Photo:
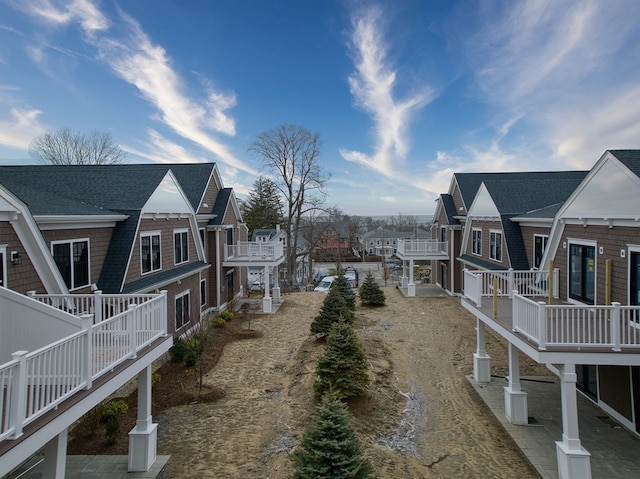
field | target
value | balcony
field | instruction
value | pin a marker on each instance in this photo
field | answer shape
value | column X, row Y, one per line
column 56, row 348
column 254, row 253
column 520, row 306
column 422, row 249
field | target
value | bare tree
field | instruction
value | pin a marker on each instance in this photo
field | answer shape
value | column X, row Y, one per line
column 291, row 154
column 68, row 147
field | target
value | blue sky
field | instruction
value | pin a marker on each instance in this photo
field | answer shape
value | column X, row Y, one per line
column 402, row 93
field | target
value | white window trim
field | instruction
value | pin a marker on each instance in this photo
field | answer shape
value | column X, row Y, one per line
column 581, row 242
column 538, row 235
column 473, row 230
column 180, row 296
column 490, row 252
column 180, row 231
column 73, row 287
column 630, row 248
column 142, row 235
column 3, row 251
column 203, row 301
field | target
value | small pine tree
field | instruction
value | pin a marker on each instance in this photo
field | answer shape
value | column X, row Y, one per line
column 333, row 306
column 329, row 448
column 370, row 292
column 342, row 285
column 342, row 369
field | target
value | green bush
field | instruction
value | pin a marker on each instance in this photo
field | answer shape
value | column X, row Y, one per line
column 156, row 378
column 109, row 416
column 178, row 351
column 218, row 322
column 370, row 292
column 226, row 315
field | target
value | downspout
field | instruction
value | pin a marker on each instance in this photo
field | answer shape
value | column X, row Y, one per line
column 218, row 267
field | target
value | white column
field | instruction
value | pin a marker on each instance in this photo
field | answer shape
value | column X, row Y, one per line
column 403, row 285
column 411, row 287
column 515, row 399
column 276, row 285
column 574, row 462
column 55, row 457
column 143, row 438
column 481, row 361
column 266, row 300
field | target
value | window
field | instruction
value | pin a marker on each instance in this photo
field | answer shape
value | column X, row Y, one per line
column 582, row 272
column 229, row 236
column 539, row 247
column 476, row 241
column 495, row 245
column 150, row 252
column 203, row 292
column 182, row 309
column 443, row 234
column 202, row 236
column 72, row 259
column 180, row 246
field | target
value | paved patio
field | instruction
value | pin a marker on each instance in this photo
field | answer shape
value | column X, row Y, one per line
column 615, row 451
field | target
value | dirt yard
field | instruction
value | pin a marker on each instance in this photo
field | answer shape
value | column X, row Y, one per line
column 419, row 418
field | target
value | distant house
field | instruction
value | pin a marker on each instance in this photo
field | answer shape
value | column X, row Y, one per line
column 90, row 255
column 384, row 242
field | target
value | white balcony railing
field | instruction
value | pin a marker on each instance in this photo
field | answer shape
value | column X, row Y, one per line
column 503, row 283
column 422, row 247
column 34, row 382
column 583, row 326
column 611, row 327
column 254, row 251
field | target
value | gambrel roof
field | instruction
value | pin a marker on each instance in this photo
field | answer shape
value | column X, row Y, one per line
column 116, row 192
column 508, row 196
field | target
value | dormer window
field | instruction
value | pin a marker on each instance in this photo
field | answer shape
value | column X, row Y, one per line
column 181, row 246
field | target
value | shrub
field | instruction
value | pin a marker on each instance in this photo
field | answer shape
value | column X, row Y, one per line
column 226, row 315
column 342, row 369
column 156, row 378
column 329, row 447
column 370, row 292
column 333, row 307
column 109, row 416
column 218, row 322
column 342, row 285
column 178, row 351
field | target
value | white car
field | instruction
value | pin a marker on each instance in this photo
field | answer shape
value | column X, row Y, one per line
column 325, row 284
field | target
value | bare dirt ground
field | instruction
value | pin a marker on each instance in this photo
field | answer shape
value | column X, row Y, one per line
column 418, row 419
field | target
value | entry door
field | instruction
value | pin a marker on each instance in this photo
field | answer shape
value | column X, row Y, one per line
column 3, row 266
column 443, row 276
column 634, row 280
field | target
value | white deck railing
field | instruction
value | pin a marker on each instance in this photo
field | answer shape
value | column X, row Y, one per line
column 422, row 247
column 583, row 326
column 503, row 283
column 254, row 251
column 35, row 382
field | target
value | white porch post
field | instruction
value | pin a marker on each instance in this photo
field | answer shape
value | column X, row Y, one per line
column 55, row 457
column 266, row 300
column 574, row 462
column 515, row 399
column 411, row 287
column 481, row 361
column 403, row 284
column 143, row 438
column 276, row 285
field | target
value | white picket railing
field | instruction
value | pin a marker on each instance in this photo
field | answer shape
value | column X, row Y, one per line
column 35, row 382
column 503, row 283
column 254, row 251
column 583, row 326
column 421, row 247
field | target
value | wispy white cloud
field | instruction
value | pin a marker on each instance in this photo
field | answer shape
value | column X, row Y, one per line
column 65, row 12
column 567, row 71
column 137, row 60
column 372, row 86
column 18, row 129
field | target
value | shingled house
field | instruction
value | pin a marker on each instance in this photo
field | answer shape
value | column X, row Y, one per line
column 115, row 258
